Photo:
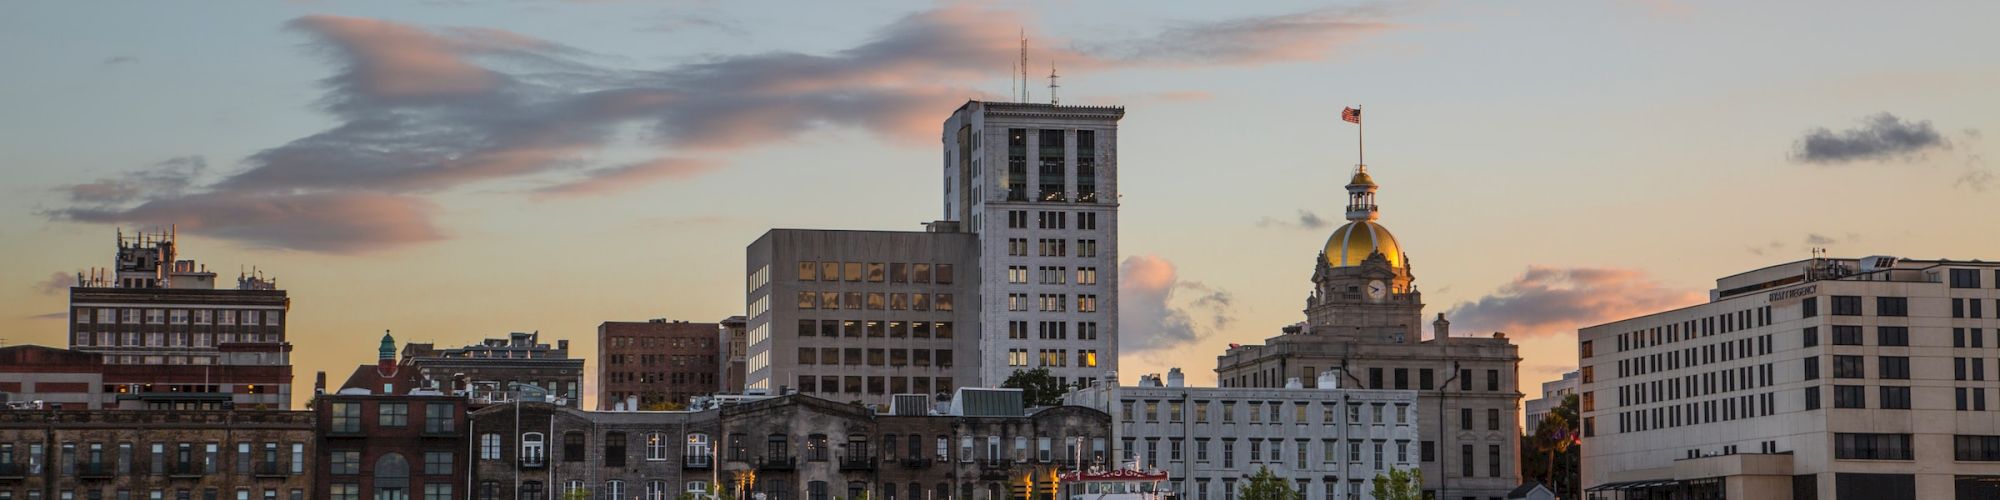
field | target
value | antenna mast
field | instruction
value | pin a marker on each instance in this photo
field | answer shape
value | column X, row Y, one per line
column 1024, row 66
column 1053, row 101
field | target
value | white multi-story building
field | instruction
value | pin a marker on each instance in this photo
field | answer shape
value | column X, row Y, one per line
column 1553, row 393
column 1039, row 184
column 1825, row 378
column 1020, row 273
column 1331, row 442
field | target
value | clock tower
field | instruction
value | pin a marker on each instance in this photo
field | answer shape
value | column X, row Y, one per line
column 1362, row 285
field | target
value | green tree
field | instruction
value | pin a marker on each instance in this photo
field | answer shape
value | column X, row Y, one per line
column 1268, row 486
column 1399, row 484
column 1550, row 453
column 1038, row 387
column 577, row 494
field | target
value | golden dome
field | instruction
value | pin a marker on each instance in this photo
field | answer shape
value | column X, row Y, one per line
column 1352, row 243
column 1361, row 179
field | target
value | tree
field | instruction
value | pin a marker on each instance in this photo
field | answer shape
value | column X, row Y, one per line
column 1038, row 387
column 1551, row 452
column 1399, row 484
column 577, row 494
column 1268, row 486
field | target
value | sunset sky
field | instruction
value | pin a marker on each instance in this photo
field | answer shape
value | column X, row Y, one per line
column 457, row 170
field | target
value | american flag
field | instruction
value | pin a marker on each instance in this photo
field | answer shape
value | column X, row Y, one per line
column 1351, row 115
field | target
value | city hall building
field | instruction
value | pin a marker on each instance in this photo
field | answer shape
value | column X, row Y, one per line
column 1863, row 378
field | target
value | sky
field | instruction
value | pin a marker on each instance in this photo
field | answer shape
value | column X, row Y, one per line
column 452, row 171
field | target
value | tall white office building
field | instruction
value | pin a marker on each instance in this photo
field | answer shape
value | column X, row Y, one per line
column 1038, row 184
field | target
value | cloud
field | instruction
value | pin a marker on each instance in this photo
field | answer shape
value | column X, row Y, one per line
column 117, row 60
column 420, row 110
column 1881, row 137
column 1306, row 219
column 1301, row 36
column 1551, row 300
column 1819, row 239
column 624, row 177
column 1976, row 180
column 58, row 282
column 1149, row 316
column 58, row 315
column 168, row 177
column 1773, row 247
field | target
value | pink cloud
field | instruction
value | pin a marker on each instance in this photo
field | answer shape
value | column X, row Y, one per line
column 630, row 176
column 1546, row 300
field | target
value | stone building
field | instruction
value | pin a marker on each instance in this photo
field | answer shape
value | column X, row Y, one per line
column 155, row 454
column 1553, row 394
column 656, row 362
column 171, row 340
column 533, row 450
column 1867, row 378
column 493, row 367
column 390, row 433
column 1330, row 441
column 1364, row 320
column 735, row 351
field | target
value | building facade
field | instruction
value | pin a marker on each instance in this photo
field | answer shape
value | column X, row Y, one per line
column 1331, row 442
column 1364, row 321
column 211, row 347
column 1825, row 378
column 861, row 315
column 536, row 450
column 656, row 363
column 1553, row 394
column 494, row 367
column 735, row 352
column 155, row 454
column 1038, row 185
column 389, row 433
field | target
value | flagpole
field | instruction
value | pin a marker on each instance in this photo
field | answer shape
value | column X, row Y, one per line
column 1360, row 145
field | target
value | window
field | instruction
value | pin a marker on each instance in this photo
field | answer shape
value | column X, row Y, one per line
column 393, row 414
column 534, row 450
column 346, row 417
column 437, row 463
column 1895, row 398
column 1811, row 364
column 1850, row 396
column 614, row 449
column 1465, row 419
column 339, row 491
column 1892, row 335
column 573, row 447
column 1892, row 306
column 1976, row 448
column 489, row 446
column 1493, row 460
column 344, row 462
column 438, row 418
column 1894, row 367
column 1846, row 335
column 1855, row 446
column 1810, row 337
column 1492, row 419
column 1847, row 367
column 437, row 491
column 1812, row 398
column 1846, row 305
column 1965, row 278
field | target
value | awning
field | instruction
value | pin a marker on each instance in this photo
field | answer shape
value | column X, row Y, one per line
column 1631, row 485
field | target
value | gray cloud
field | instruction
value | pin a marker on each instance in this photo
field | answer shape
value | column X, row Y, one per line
column 1151, row 318
column 117, row 60
column 59, row 282
column 1881, row 137
column 1297, row 36
column 1306, row 219
column 1977, row 180
column 1551, row 301
column 421, row 110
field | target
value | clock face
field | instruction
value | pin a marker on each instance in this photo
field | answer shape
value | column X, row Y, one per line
column 1377, row 290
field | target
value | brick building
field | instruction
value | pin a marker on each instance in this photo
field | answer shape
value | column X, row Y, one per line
column 389, row 433
column 658, row 362
column 494, row 366
column 530, row 450
column 155, row 454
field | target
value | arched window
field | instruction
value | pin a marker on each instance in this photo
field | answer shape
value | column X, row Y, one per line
column 656, row 490
column 489, row 446
column 816, row 490
column 572, row 486
column 613, row 490
column 699, row 449
column 392, row 477
column 816, row 447
column 534, row 450
column 656, row 446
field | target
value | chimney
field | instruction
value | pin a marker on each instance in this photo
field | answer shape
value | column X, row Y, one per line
column 1329, row 379
column 1441, row 328
column 562, row 344
column 319, row 383
column 632, row 402
column 1294, row 383
column 1175, row 378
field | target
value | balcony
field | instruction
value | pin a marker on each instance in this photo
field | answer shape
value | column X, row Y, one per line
column 695, row 462
column 99, row 470
column 916, row 462
column 534, row 463
column 778, row 463
column 271, row 470
column 12, row 471
column 995, row 463
column 862, row 463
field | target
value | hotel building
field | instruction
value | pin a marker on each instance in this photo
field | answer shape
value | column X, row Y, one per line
column 1863, row 378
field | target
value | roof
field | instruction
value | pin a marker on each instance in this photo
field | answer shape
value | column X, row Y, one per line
column 371, row 378
column 1522, row 491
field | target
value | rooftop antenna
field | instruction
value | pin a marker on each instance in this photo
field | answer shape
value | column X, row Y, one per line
column 1024, row 66
column 1053, row 101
